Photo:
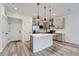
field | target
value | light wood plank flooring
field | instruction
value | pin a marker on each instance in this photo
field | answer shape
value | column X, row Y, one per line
column 19, row 48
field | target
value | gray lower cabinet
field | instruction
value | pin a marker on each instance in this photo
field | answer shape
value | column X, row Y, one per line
column 58, row 37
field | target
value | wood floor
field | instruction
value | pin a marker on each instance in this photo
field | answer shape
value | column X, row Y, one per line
column 19, row 48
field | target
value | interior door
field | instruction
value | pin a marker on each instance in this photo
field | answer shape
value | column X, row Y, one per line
column 15, row 29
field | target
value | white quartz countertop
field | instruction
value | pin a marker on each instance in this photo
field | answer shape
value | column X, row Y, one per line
column 39, row 35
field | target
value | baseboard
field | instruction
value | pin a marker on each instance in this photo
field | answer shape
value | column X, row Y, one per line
column 72, row 43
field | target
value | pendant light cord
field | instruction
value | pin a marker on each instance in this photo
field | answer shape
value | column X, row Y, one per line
column 50, row 13
column 38, row 10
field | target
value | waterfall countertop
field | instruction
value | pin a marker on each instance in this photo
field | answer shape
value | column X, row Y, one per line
column 41, row 41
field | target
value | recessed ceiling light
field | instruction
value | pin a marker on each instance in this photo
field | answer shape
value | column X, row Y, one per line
column 15, row 8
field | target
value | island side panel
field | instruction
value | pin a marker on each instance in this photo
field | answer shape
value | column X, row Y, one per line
column 42, row 42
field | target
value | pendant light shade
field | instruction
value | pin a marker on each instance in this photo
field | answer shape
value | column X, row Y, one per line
column 51, row 19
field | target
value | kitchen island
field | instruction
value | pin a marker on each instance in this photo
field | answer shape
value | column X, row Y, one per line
column 41, row 41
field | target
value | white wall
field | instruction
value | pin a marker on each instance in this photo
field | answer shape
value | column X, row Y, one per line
column 5, row 36
column 3, row 28
column 72, row 28
column 0, row 30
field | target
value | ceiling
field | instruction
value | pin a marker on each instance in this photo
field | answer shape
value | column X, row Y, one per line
column 30, row 9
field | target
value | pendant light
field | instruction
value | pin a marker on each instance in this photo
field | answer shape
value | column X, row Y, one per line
column 51, row 19
column 38, row 18
column 45, row 13
column 50, row 14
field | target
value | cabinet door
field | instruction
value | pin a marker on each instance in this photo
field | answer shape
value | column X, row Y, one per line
column 59, row 36
column 59, row 23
